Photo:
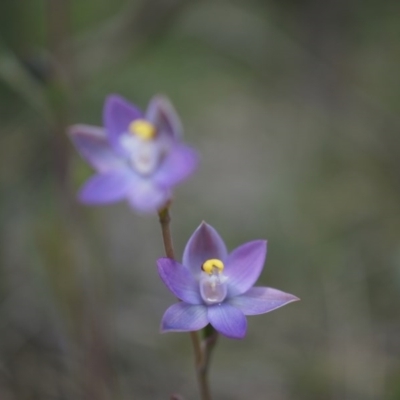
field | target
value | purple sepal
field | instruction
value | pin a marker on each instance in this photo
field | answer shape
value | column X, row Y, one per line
column 260, row 300
column 106, row 188
column 244, row 265
column 163, row 116
column 177, row 166
column 117, row 116
column 183, row 317
column 93, row 145
column 179, row 280
column 228, row 320
column 204, row 244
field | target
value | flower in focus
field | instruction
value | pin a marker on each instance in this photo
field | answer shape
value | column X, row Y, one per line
column 138, row 156
column 216, row 287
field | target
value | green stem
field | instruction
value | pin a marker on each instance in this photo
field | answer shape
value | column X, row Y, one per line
column 201, row 353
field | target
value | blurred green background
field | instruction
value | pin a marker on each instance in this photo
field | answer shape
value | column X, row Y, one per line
column 294, row 106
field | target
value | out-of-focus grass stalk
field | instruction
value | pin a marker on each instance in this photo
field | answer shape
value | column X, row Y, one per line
column 94, row 373
column 59, row 88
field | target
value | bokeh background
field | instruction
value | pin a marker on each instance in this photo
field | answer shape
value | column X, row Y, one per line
column 294, row 106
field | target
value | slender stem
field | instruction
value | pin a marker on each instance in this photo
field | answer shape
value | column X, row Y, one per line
column 201, row 372
column 201, row 359
column 165, row 219
column 208, row 344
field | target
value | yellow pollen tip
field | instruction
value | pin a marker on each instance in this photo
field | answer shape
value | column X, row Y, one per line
column 142, row 129
column 211, row 265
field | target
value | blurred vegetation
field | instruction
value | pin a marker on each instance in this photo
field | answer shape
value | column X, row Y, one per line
column 294, row 106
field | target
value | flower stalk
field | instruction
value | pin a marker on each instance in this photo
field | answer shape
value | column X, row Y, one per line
column 165, row 219
column 201, row 350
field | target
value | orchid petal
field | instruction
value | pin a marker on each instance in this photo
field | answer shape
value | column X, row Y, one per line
column 179, row 280
column 204, row 244
column 183, row 317
column 260, row 300
column 163, row 116
column 244, row 265
column 106, row 188
column 145, row 197
column 177, row 166
column 93, row 145
column 118, row 113
column 228, row 320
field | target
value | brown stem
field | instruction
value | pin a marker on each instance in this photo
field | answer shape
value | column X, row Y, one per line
column 200, row 357
column 165, row 219
column 208, row 345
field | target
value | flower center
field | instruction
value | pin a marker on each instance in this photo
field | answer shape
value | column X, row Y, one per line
column 142, row 129
column 213, row 288
column 213, row 266
column 144, row 152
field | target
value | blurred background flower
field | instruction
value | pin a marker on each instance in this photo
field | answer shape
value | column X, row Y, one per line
column 136, row 159
column 294, row 106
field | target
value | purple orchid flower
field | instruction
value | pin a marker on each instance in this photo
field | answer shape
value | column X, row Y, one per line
column 216, row 287
column 138, row 156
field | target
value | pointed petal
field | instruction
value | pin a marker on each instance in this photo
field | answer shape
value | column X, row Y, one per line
column 204, row 244
column 179, row 280
column 182, row 317
column 105, row 188
column 163, row 116
column 178, row 165
column 228, row 320
column 244, row 265
column 93, row 145
column 118, row 113
column 145, row 197
column 260, row 300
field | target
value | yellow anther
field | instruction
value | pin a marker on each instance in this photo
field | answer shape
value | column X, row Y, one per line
column 142, row 129
column 211, row 265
